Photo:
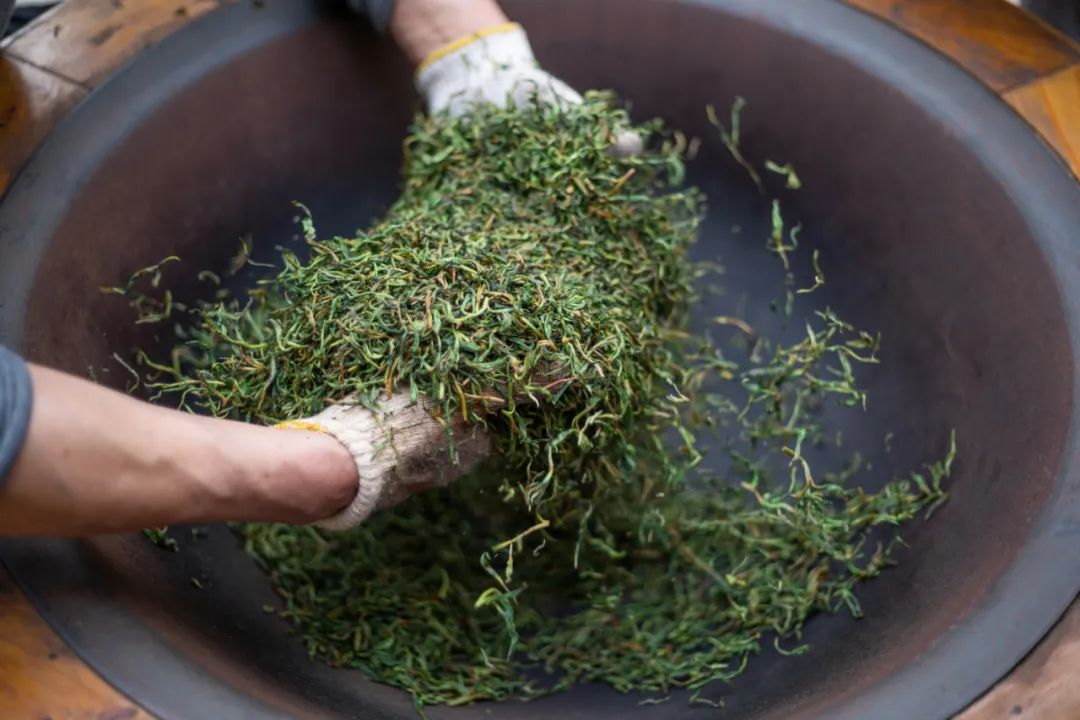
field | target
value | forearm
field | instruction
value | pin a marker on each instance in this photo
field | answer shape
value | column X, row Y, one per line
column 420, row 27
column 96, row 461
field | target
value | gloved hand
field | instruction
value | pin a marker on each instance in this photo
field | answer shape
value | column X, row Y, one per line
column 492, row 66
column 399, row 450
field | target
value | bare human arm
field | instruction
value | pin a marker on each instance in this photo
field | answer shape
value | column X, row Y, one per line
column 97, row 461
column 420, row 27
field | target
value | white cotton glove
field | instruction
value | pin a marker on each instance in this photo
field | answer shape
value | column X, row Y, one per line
column 493, row 66
column 399, row 450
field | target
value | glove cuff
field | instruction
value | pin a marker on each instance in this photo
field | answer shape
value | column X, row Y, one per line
column 376, row 442
column 484, row 38
column 466, row 66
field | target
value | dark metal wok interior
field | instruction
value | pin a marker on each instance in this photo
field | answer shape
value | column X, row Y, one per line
column 942, row 222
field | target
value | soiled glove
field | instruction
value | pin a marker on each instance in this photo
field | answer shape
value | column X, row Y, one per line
column 493, row 66
column 399, row 450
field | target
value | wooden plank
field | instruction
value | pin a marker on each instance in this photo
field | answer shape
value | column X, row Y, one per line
column 41, row 678
column 85, row 41
column 1052, row 105
column 51, row 64
column 31, row 102
column 1000, row 44
column 1045, row 685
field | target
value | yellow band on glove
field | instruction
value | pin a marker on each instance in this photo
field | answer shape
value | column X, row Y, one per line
column 467, row 40
column 301, row 425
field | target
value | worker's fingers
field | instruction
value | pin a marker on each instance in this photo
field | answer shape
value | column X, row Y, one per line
column 627, row 144
column 543, row 382
column 405, row 446
column 436, row 463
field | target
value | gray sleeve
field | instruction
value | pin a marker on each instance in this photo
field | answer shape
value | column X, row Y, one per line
column 15, row 400
column 378, row 11
column 6, row 8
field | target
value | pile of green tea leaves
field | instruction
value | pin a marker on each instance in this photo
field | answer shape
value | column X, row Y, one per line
column 595, row 546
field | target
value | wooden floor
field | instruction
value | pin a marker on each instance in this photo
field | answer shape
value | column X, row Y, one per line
column 40, row 678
